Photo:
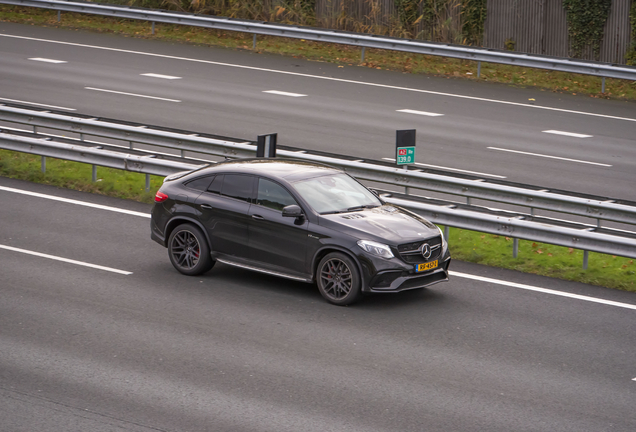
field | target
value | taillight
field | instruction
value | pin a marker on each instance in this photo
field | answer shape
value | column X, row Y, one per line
column 160, row 197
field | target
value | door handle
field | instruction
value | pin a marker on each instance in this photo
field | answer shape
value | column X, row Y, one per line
column 257, row 217
column 206, row 206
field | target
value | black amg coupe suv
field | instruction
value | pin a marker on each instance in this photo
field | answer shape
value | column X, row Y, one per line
column 297, row 220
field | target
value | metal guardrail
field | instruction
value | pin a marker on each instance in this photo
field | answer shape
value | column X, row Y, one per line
column 600, row 208
column 340, row 37
column 575, row 235
column 475, row 218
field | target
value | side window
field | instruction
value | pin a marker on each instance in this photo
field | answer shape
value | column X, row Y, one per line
column 238, row 186
column 215, row 186
column 200, row 184
column 273, row 195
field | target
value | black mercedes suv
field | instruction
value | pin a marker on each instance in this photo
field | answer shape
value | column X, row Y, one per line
column 298, row 220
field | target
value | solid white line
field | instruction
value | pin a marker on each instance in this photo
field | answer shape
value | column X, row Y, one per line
column 66, row 260
column 570, row 134
column 45, row 60
column 424, row 113
column 168, row 77
column 550, row 157
column 37, row 104
column 282, row 93
column 324, row 78
column 452, row 169
column 543, row 290
column 453, row 273
column 71, row 201
column 131, row 94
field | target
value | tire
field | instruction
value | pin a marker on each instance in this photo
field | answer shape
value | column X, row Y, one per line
column 189, row 251
column 338, row 279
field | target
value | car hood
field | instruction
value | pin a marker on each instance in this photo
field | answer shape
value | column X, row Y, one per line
column 387, row 224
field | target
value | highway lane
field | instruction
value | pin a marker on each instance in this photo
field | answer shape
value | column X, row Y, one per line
column 485, row 128
column 89, row 349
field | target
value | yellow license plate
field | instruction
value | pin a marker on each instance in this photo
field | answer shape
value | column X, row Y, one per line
column 426, row 266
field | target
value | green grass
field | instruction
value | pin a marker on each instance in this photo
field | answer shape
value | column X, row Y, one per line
column 543, row 259
column 344, row 55
column 548, row 260
column 78, row 176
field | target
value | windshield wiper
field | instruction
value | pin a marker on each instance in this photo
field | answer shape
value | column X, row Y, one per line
column 362, row 207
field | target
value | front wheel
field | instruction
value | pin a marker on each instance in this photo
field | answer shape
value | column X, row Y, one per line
column 188, row 250
column 338, row 279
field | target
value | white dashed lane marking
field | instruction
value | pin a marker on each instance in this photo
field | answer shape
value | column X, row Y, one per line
column 131, row 94
column 422, row 113
column 549, row 157
column 45, row 60
column 282, row 93
column 168, row 77
column 570, row 134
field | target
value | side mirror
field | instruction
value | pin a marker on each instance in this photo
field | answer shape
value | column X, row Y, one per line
column 292, row 211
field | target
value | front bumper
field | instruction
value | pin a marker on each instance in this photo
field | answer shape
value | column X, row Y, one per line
column 394, row 275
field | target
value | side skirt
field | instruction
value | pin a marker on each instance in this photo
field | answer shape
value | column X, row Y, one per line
column 263, row 270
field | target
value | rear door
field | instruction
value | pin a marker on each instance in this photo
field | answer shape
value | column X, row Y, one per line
column 224, row 211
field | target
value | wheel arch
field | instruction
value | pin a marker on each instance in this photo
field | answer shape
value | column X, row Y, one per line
column 320, row 254
column 178, row 220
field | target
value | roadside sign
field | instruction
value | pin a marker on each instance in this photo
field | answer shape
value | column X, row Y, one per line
column 405, row 155
column 405, row 147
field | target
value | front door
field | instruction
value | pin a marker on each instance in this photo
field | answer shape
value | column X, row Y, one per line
column 276, row 240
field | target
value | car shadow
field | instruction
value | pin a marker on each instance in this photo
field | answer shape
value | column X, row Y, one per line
column 306, row 291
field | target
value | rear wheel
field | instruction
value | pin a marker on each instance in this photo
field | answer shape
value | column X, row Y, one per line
column 189, row 251
column 338, row 279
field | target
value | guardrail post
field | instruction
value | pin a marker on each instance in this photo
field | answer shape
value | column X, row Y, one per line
column 43, row 164
column 515, row 247
column 94, row 173
column 446, row 233
column 585, row 259
column 59, row 16
column 478, row 69
column 153, row 27
column 254, row 42
column 147, row 182
column 603, row 85
column 362, row 58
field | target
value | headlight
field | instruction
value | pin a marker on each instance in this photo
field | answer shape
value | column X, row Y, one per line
column 444, row 243
column 374, row 248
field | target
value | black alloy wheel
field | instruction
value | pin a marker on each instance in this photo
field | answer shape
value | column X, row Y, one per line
column 188, row 250
column 338, row 279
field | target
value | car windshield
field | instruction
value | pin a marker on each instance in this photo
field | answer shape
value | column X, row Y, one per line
column 337, row 193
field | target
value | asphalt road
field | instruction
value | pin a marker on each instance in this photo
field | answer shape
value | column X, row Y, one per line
column 479, row 127
column 94, row 349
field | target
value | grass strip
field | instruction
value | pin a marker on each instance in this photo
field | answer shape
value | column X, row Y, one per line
column 343, row 55
column 493, row 250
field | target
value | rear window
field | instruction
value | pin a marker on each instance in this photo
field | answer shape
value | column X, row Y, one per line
column 201, row 183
